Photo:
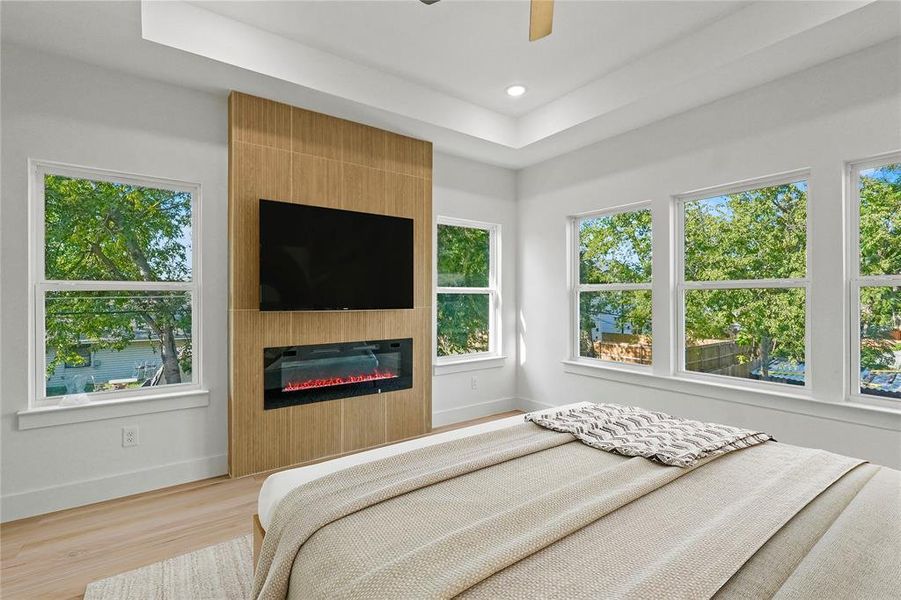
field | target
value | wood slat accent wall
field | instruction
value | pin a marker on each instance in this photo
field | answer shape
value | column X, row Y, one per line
column 280, row 152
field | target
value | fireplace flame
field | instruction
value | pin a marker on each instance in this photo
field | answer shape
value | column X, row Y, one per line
column 308, row 384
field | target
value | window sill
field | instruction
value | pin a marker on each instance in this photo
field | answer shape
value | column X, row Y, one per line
column 49, row 416
column 798, row 403
column 472, row 363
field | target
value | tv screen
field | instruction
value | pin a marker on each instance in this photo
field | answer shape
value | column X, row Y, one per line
column 314, row 258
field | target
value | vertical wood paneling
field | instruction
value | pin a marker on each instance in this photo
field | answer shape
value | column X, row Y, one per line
column 407, row 156
column 363, row 145
column 363, row 423
column 406, row 414
column 363, row 189
column 260, row 122
column 316, row 180
column 422, row 213
column 316, row 431
column 315, row 134
column 285, row 153
column 258, row 172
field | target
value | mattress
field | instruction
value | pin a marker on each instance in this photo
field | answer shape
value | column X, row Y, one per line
column 278, row 485
column 528, row 512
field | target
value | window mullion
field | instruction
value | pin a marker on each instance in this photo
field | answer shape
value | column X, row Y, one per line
column 879, row 281
column 465, row 290
column 745, row 284
column 613, row 287
column 99, row 286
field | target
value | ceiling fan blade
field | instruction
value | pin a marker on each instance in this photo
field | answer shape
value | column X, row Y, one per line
column 541, row 19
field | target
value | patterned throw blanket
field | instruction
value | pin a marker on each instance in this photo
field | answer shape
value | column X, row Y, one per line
column 633, row 431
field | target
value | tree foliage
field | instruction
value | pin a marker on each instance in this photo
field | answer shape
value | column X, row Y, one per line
column 880, row 221
column 757, row 234
column 880, row 254
column 463, row 323
column 614, row 249
column 463, row 261
column 98, row 230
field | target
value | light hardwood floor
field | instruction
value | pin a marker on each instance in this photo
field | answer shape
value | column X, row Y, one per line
column 57, row 555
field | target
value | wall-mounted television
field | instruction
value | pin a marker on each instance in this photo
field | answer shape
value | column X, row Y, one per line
column 315, row 258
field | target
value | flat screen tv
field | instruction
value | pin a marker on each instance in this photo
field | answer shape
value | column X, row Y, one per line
column 314, row 258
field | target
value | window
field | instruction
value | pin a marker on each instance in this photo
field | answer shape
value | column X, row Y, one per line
column 612, row 300
column 468, row 301
column 743, row 286
column 876, row 277
column 115, row 280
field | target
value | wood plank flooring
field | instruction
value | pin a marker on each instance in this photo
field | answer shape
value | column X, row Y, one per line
column 55, row 556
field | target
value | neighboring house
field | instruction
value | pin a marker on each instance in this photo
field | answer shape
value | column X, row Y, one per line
column 139, row 361
column 606, row 323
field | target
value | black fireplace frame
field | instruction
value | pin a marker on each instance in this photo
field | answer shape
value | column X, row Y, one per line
column 276, row 396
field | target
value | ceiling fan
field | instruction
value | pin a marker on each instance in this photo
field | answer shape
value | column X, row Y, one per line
column 541, row 18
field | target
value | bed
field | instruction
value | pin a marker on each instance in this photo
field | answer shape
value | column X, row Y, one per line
column 511, row 509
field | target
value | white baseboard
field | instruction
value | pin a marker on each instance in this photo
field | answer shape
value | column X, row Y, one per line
column 527, row 405
column 79, row 493
column 449, row 416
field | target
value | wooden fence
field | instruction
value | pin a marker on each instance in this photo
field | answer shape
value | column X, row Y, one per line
column 624, row 347
column 719, row 357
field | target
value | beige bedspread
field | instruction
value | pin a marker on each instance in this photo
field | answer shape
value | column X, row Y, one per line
column 529, row 513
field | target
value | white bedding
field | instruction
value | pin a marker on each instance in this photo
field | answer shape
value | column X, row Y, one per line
column 279, row 484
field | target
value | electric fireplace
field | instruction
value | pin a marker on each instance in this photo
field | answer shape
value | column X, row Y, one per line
column 315, row 373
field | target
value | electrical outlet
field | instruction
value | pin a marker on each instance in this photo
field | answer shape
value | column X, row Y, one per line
column 130, row 436
column 474, row 382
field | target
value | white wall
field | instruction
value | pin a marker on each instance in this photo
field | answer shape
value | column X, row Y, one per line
column 59, row 110
column 843, row 110
column 470, row 190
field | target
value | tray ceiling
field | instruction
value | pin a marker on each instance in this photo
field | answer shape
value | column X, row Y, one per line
column 439, row 72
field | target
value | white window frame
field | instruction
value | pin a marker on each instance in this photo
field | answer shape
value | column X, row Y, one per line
column 495, row 339
column 681, row 285
column 39, row 286
column 856, row 281
column 577, row 287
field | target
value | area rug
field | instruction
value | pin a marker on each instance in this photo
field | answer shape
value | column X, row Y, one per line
column 220, row 572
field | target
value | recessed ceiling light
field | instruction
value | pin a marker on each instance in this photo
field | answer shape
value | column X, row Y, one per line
column 516, row 90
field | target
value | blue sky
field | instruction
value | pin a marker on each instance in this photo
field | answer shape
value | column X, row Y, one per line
column 719, row 205
column 883, row 173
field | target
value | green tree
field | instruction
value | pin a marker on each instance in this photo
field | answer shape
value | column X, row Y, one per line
column 614, row 249
column 757, row 234
column 880, row 221
column 880, row 315
column 463, row 261
column 880, row 254
column 97, row 230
